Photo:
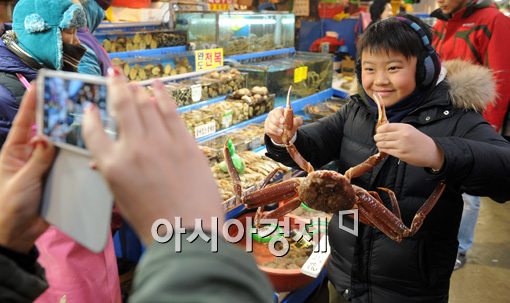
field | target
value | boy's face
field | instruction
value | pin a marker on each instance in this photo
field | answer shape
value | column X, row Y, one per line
column 391, row 75
column 451, row 6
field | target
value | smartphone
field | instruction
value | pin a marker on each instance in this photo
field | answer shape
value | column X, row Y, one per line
column 62, row 100
column 75, row 198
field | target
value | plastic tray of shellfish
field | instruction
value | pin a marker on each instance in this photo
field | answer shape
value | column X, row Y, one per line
column 206, row 87
column 124, row 41
column 150, row 67
column 242, row 105
column 248, row 138
column 258, row 99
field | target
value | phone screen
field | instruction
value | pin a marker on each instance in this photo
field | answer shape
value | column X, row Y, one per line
column 63, row 107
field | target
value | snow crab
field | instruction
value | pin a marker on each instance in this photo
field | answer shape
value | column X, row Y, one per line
column 330, row 191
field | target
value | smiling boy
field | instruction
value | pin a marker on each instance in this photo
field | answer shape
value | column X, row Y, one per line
column 436, row 134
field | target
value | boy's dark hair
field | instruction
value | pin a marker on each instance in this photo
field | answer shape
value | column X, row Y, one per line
column 392, row 34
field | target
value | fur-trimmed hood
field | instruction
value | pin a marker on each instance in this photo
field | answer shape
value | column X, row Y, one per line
column 471, row 86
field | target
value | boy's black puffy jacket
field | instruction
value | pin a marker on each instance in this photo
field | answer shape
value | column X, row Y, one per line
column 372, row 267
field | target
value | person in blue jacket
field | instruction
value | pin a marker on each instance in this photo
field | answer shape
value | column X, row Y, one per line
column 43, row 35
column 95, row 60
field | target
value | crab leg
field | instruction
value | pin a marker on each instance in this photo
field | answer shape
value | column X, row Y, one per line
column 387, row 222
column 372, row 161
column 236, row 181
column 365, row 166
column 361, row 217
column 271, row 176
column 393, row 199
column 380, row 216
column 288, row 116
column 380, row 224
column 286, row 208
column 288, row 120
column 426, row 208
column 272, row 193
column 300, row 161
column 381, row 110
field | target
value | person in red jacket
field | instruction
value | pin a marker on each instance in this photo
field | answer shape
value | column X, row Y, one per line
column 475, row 31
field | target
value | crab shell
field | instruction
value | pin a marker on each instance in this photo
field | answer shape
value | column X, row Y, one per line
column 327, row 191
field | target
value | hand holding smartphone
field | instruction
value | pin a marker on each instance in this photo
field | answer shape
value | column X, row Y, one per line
column 76, row 199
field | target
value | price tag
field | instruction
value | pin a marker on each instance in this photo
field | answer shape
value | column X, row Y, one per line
column 196, row 92
column 229, row 204
column 297, row 75
column 314, row 264
column 205, row 129
column 255, row 143
column 304, row 72
column 302, row 7
column 300, row 74
column 227, row 119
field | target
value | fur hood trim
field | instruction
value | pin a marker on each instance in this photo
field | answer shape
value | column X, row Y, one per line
column 471, row 86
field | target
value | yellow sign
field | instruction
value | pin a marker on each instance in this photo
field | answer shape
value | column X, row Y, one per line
column 300, row 74
column 219, row 7
column 208, row 59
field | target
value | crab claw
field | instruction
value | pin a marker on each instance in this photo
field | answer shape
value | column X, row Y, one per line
column 288, row 120
column 288, row 125
column 381, row 111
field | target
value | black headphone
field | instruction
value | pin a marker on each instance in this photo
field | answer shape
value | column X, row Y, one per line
column 428, row 66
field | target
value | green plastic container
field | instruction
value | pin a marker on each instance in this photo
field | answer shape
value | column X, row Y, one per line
column 263, row 235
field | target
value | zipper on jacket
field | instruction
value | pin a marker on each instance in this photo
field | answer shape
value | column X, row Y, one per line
column 369, row 262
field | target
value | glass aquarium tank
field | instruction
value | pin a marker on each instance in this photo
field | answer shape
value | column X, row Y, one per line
column 238, row 32
column 319, row 73
column 277, row 74
column 201, row 27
